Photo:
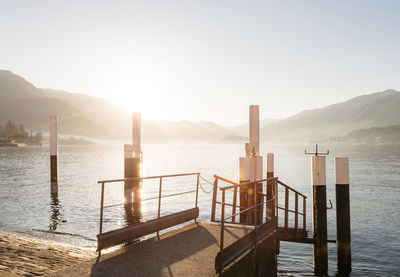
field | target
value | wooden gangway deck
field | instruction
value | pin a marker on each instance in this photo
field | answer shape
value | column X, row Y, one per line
column 188, row 251
column 223, row 246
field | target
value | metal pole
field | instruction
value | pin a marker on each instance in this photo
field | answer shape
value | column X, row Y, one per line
column 101, row 209
column 214, row 200
column 221, row 243
column 197, row 193
column 343, row 215
column 159, row 202
column 255, row 232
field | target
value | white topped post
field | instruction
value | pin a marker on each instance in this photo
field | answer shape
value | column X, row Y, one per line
column 320, row 231
column 254, row 127
column 270, row 186
column 343, row 230
column 251, row 168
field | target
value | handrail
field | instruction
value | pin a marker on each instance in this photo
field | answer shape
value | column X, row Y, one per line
column 242, row 184
column 151, row 198
column 257, row 220
column 159, row 197
column 292, row 189
column 146, row 178
column 247, row 209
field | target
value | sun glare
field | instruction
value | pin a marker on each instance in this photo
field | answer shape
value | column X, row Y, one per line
column 138, row 91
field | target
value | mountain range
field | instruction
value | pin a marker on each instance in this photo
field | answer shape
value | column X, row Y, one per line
column 84, row 115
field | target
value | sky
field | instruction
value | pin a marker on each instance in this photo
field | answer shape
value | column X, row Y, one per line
column 205, row 60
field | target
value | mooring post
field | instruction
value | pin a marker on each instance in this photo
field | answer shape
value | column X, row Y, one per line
column 53, row 156
column 244, row 177
column 132, row 159
column 319, row 216
column 256, row 159
column 343, row 215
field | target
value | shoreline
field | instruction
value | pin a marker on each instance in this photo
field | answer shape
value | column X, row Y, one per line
column 31, row 256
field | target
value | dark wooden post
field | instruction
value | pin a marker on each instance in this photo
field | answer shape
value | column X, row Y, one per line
column 53, row 156
column 132, row 161
column 244, row 177
column 270, row 187
column 319, row 216
column 343, row 215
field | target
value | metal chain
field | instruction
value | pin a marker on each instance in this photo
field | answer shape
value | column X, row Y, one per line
column 201, row 186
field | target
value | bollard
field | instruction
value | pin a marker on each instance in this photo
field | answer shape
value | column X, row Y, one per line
column 320, row 253
column 343, row 240
column 53, row 156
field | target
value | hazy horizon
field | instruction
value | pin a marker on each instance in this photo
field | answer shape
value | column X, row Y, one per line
column 205, row 61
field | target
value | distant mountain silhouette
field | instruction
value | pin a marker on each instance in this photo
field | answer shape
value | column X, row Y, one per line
column 84, row 115
column 24, row 103
column 376, row 135
column 373, row 110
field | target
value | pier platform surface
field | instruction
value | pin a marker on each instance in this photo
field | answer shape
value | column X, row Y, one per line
column 188, row 251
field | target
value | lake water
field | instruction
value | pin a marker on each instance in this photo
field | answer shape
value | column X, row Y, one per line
column 26, row 206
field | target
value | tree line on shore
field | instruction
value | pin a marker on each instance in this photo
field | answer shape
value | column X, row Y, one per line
column 11, row 132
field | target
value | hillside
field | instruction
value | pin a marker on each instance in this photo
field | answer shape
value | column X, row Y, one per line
column 373, row 110
column 23, row 102
column 84, row 115
column 379, row 135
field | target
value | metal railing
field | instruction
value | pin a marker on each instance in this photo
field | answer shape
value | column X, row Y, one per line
column 296, row 208
column 255, row 189
column 159, row 197
column 262, row 226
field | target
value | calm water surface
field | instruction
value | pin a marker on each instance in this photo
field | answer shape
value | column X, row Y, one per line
column 72, row 217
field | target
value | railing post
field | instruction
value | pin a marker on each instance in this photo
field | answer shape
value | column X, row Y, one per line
column 234, row 204
column 214, row 200
column 159, row 202
column 276, row 203
column 255, row 207
column 296, row 209
column 276, row 215
column 101, row 209
column 197, row 193
column 221, row 243
column 286, row 208
column 304, row 213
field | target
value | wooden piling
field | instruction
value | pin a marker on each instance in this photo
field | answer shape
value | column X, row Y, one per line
column 320, row 253
column 53, row 156
column 254, row 129
column 244, row 177
column 270, row 187
column 343, row 231
column 132, row 160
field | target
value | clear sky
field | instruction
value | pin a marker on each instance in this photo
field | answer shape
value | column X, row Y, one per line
column 205, row 60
